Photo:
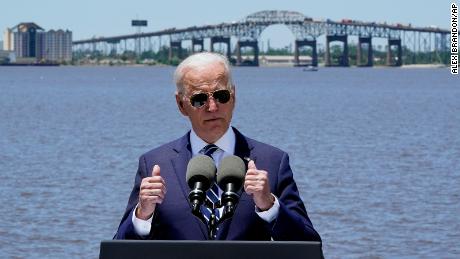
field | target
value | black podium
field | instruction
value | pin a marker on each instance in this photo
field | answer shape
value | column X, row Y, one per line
column 172, row 249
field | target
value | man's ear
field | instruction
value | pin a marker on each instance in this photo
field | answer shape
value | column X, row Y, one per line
column 234, row 93
column 181, row 105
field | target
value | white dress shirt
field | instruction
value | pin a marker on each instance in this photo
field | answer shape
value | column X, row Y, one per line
column 226, row 146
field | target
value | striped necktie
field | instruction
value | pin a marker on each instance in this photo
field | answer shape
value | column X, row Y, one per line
column 212, row 194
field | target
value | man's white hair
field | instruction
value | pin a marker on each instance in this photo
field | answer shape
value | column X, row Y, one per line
column 199, row 60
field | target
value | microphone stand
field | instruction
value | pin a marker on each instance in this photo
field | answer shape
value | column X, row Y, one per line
column 213, row 223
column 212, row 227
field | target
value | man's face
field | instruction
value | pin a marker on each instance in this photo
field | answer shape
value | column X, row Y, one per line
column 211, row 120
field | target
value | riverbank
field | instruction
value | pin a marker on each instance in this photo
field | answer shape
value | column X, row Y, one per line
column 424, row 66
column 269, row 65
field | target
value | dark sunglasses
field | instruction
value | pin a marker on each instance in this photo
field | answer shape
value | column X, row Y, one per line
column 199, row 100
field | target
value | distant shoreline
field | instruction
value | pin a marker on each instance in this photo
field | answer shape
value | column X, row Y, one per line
column 30, row 65
column 411, row 66
column 425, row 66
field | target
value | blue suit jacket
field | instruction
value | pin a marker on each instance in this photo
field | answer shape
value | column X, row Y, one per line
column 173, row 219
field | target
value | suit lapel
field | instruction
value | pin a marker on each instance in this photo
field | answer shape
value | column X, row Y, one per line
column 184, row 154
column 243, row 147
column 243, row 150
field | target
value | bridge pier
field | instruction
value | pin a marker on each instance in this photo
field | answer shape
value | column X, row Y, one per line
column 219, row 39
column 370, row 56
column 255, row 47
column 113, row 46
column 113, row 49
column 397, row 43
column 314, row 56
column 197, row 42
column 172, row 46
column 343, row 61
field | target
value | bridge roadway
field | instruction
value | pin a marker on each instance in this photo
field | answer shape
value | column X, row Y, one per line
column 306, row 31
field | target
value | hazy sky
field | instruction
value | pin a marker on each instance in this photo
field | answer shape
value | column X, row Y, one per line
column 88, row 18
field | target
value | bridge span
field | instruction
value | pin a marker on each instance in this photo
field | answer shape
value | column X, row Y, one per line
column 306, row 31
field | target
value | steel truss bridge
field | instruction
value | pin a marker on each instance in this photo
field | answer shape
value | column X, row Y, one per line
column 305, row 30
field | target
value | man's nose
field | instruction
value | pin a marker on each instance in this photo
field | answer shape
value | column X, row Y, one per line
column 212, row 104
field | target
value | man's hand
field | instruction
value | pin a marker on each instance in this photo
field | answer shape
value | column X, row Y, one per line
column 151, row 192
column 256, row 184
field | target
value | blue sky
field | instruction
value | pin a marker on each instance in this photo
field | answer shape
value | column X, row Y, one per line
column 88, row 18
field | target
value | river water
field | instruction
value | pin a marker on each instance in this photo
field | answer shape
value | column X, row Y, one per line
column 375, row 152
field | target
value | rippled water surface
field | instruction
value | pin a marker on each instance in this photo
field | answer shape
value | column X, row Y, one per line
column 375, row 152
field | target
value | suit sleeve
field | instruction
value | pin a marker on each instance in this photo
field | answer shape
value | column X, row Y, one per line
column 126, row 228
column 292, row 222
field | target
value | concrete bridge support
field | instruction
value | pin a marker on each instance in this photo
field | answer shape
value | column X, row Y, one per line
column 197, row 42
column 370, row 56
column 255, row 47
column 343, row 60
column 173, row 45
column 314, row 56
column 219, row 39
column 397, row 43
column 113, row 46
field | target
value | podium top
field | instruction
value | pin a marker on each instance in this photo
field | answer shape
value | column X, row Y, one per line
column 171, row 249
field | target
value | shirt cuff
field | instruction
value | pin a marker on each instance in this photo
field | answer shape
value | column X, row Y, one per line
column 270, row 214
column 142, row 227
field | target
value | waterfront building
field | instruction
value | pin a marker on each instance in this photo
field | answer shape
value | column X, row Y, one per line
column 8, row 40
column 25, row 39
column 55, row 46
column 28, row 40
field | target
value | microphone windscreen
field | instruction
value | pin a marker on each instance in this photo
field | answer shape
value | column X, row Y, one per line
column 201, row 168
column 231, row 170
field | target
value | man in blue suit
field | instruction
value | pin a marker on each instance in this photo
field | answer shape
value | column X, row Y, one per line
column 270, row 207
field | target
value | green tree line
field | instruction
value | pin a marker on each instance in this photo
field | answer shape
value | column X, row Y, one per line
column 336, row 53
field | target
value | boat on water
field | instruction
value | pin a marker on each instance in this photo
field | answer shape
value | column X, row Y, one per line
column 310, row 68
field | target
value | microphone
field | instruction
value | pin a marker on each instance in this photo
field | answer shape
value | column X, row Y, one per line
column 230, row 178
column 200, row 174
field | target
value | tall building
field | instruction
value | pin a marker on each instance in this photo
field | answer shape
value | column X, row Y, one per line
column 25, row 39
column 8, row 40
column 55, row 46
column 29, row 40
